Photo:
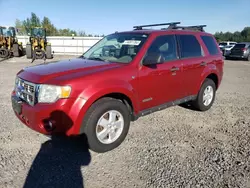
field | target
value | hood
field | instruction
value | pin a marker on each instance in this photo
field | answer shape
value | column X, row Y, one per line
column 42, row 72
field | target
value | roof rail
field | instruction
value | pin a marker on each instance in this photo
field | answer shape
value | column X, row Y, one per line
column 171, row 24
column 194, row 27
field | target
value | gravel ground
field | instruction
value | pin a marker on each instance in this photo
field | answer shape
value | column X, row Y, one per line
column 177, row 147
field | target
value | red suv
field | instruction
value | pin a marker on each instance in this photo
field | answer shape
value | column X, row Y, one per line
column 122, row 77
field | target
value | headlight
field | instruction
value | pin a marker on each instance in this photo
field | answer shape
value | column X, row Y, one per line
column 51, row 93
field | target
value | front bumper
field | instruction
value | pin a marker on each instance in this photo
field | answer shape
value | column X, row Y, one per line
column 57, row 118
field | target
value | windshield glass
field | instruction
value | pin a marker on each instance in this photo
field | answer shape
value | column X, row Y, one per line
column 223, row 44
column 37, row 32
column 7, row 32
column 118, row 47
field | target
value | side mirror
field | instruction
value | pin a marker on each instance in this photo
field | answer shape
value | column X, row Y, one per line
column 152, row 59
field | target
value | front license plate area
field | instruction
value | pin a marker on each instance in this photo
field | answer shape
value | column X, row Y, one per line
column 16, row 104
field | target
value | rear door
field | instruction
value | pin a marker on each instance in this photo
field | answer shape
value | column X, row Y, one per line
column 193, row 62
column 161, row 83
column 213, row 55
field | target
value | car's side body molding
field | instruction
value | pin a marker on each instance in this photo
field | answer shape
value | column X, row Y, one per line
column 164, row 106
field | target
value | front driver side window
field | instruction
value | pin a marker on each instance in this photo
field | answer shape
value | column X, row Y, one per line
column 164, row 47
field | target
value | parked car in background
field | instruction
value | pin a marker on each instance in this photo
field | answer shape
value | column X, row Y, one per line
column 240, row 51
column 227, row 49
column 226, row 43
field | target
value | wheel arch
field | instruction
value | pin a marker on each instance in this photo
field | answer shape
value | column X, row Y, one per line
column 125, row 95
column 215, row 78
column 212, row 73
column 119, row 96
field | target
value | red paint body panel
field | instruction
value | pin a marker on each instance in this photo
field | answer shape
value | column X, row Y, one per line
column 91, row 80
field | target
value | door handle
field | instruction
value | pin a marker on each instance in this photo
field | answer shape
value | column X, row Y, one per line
column 203, row 63
column 173, row 69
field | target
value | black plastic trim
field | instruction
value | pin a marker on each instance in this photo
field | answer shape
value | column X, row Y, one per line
column 163, row 106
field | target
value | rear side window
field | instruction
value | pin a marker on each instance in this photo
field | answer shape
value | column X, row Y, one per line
column 189, row 46
column 210, row 44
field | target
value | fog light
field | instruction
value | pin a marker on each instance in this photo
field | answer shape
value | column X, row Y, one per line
column 49, row 126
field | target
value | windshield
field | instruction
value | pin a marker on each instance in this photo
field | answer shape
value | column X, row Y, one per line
column 7, row 32
column 223, row 44
column 118, row 47
column 37, row 32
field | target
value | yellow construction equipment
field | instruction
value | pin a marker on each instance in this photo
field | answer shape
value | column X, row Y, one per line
column 38, row 47
column 9, row 45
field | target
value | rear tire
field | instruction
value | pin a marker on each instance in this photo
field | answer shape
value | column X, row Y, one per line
column 16, row 50
column 28, row 51
column 4, row 52
column 207, row 91
column 248, row 58
column 95, row 114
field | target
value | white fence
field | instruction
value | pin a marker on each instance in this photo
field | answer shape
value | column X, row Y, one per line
column 66, row 45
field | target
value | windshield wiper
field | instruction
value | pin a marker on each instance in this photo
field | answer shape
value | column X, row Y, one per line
column 97, row 59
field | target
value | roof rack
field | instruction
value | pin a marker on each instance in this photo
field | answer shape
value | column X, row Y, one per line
column 194, row 27
column 171, row 24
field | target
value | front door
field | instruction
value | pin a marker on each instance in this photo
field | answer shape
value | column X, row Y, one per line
column 160, row 83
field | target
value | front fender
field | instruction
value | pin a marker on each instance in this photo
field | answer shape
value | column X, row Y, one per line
column 92, row 93
column 100, row 89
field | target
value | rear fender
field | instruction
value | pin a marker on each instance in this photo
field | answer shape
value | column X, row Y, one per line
column 210, row 69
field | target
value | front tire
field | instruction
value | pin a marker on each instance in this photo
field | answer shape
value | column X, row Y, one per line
column 16, row 50
column 206, row 95
column 29, row 51
column 48, row 52
column 106, row 124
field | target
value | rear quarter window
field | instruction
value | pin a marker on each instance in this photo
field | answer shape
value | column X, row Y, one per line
column 210, row 44
column 189, row 46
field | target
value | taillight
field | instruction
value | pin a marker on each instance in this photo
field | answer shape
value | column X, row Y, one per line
column 244, row 49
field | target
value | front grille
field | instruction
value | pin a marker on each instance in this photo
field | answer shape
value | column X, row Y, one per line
column 26, row 91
